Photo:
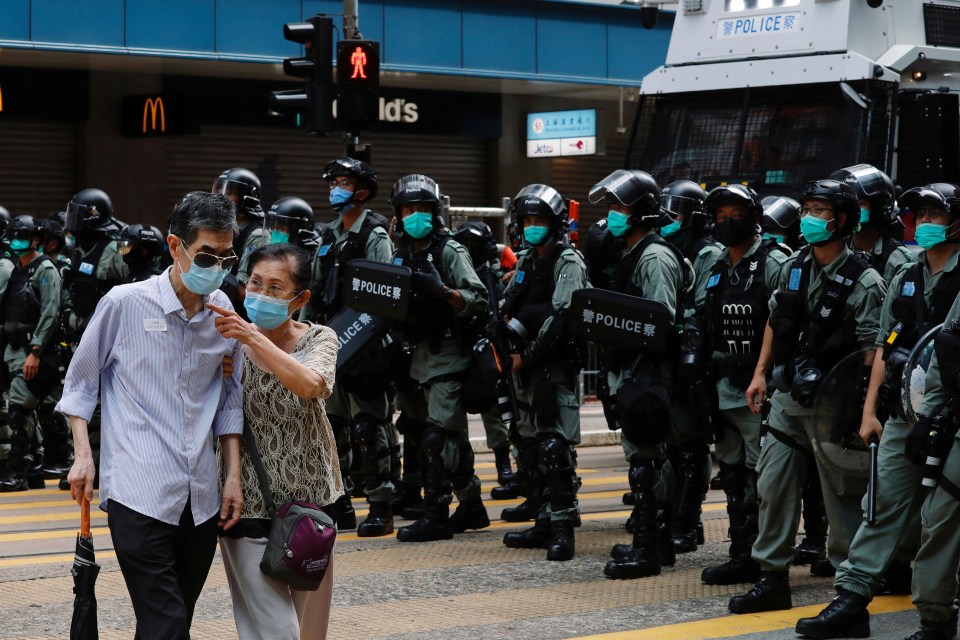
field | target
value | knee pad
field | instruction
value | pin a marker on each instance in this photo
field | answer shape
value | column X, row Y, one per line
column 555, row 452
column 17, row 417
column 366, row 435
column 434, row 440
column 644, row 474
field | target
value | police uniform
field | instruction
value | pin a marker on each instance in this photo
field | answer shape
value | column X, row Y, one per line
column 546, row 386
column 781, row 465
column 732, row 300
column 439, row 360
column 251, row 233
column 31, row 315
column 358, row 408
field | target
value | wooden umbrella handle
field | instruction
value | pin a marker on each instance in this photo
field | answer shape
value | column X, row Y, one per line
column 84, row 517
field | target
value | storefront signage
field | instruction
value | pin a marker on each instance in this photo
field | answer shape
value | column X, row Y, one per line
column 43, row 94
column 153, row 115
column 562, row 133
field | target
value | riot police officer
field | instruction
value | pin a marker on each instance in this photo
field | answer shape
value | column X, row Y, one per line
column 687, row 446
column 919, row 298
column 141, row 246
column 827, row 311
column 478, row 239
column 546, row 365
column 647, row 267
column 290, row 219
column 96, row 266
column 879, row 224
column 31, row 306
column 242, row 186
column 447, row 294
column 731, row 316
column 359, row 401
column 781, row 221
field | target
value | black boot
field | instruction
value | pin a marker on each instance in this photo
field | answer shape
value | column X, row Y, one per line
column 529, row 469
column 688, row 530
column 13, row 473
column 813, row 546
column 717, row 483
column 631, row 479
column 58, row 451
column 930, row 630
column 346, row 516
column 408, row 502
column 561, row 545
column 643, row 558
column 845, row 617
column 666, row 538
column 510, row 485
column 469, row 514
column 536, row 537
column 823, row 569
column 743, row 514
column 628, row 499
column 379, row 521
column 435, row 525
column 771, row 593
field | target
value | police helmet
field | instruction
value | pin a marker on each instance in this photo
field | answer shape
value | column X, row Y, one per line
column 477, row 237
column 874, row 186
column 4, row 220
column 243, row 187
column 684, row 200
column 733, row 194
column 839, row 194
column 361, row 171
column 141, row 242
column 540, row 200
column 637, row 190
column 90, row 209
column 416, row 189
column 943, row 195
column 53, row 230
column 24, row 228
column 291, row 216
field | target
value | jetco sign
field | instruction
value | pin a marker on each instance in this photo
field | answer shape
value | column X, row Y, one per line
column 562, row 133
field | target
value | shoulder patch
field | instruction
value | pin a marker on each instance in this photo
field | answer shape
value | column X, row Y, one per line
column 713, row 281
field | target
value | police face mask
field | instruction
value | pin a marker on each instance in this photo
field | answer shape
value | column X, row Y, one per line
column 200, row 280
column 618, row 223
column 340, row 199
column 733, row 232
column 536, row 235
column 774, row 237
column 279, row 237
column 670, row 229
column 19, row 246
column 814, row 230
column 266, row 312
column 864, row 216
column 930, row 235
column 418, row 224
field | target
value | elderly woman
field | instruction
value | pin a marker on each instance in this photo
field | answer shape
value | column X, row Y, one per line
column 288, row 371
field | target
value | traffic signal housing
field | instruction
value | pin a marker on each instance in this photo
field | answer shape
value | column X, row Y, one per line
column 314, row 103
column 358, row 85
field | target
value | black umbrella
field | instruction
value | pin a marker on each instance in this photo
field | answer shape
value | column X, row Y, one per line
column 83, row 626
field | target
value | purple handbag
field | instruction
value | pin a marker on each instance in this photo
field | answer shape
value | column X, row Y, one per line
column 300, row 544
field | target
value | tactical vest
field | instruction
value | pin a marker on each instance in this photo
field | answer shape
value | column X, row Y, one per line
column 334, row 258
column 84, row 286
column 690, row 243
column 428, row 319
column 21, row 302
column 911, row 308
column 737, row 307
column 824, row 333
column 531, row 299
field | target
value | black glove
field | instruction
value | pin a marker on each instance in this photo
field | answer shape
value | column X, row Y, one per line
column 428, row 283
column 915, row 448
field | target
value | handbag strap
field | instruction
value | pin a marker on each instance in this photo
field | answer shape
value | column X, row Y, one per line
column 251, row 441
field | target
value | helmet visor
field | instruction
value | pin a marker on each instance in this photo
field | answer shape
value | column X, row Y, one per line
column 415, row 188
column 870, row 179
column 77, row 214
column 125, row 246
column 289, row 224
column 680, row 206
column 524, row 203
column 620, row 186
column 782, row 211
column 230, row 188
column 921, row 198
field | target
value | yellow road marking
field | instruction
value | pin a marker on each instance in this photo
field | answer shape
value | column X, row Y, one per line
column 49, row 535
column 60, row 558
column 735, row 626
column 4, row 497
column 95, row 514
column 38, row 505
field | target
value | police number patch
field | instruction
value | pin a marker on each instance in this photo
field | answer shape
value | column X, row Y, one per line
column 713, row 281
column 324, row 250
column 909, row 288
column 795, row 275
column 520, row 275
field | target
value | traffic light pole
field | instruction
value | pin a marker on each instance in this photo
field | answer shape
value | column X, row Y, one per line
column 351, row 19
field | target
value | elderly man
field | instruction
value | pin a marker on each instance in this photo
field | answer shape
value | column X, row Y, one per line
column 152, row 353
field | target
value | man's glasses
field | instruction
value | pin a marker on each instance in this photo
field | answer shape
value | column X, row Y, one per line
column 343, row 184
column 208, row 260
column 818, row 212
column 273, row 290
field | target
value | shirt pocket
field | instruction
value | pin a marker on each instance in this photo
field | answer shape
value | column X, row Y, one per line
column 208, row 370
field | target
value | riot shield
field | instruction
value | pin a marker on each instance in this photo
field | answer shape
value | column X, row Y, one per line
column 915, row 374
column 620, row 320
column 377, row 288
column 356, row 332
column 837, row 411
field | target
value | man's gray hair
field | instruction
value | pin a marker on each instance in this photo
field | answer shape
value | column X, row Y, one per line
column 198, row 211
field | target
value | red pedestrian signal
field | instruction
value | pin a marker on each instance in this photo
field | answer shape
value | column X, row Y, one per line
column 358, row 84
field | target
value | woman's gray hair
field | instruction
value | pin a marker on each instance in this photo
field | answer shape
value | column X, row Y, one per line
column 198, row 211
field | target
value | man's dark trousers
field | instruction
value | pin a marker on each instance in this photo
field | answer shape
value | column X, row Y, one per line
column 164, row 567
